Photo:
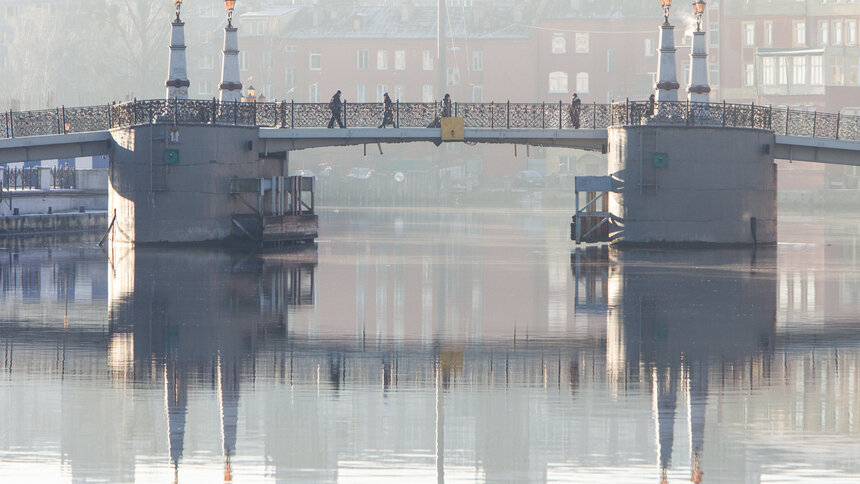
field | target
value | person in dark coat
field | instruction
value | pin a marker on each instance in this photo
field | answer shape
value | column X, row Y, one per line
column 575, row 108
column 336, row 107
column 445, row 112
column 651, row 101
column 388, row 112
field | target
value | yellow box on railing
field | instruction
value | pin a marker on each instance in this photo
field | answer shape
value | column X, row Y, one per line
column 453, row 129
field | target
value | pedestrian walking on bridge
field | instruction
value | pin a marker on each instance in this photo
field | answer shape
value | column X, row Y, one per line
column 387, row 112
column 336, row 108
column 574, row 110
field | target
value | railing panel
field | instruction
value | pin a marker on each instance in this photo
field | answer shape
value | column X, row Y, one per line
column 849, row 128
column 418, row 115
column 364, row 115
column 35, row 123
column 86, row 119
column 800, row 123
column 268, row 114
column 312, row 115
column 475, row 115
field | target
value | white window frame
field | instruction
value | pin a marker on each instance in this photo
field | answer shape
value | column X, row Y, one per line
column 399, row 60
column 477, row 60
column 582, row 83
column 748, row 34
column 362, row 59
column 427, row 60
column 318, row 56
column 558, row 83
column 427, row 93
column 382, row 60
column 558, row 44
column 582, row 43
column 798, row 70
column 361, row 93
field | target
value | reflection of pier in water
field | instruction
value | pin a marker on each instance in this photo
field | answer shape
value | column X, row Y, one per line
column 203, row 324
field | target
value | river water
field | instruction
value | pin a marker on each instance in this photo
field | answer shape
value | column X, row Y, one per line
column 433, row 345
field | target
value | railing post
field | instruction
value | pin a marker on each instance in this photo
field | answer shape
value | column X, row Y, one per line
column 838, row 120
column 345, row 114
column 814, row 122
column 492, row 114
column 58, row 121
column 397, row 111
column 787, row 118
column 770, row 116
column 752, row 115
column 627, row 111
column 688, row 113
column 594, row 116
column 175, row 110
column 543, row 115
column 235, row 112
column 64, row 119
column 110, row 117
column 560, row 116
column 11, row 124
column 214, row 110
column 724, row 113
column 292, row 113
column 255, row 112
column 283, row 112
column 508, row 109
column 457, row 109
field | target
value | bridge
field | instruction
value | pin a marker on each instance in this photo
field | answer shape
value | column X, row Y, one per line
column 288, row 126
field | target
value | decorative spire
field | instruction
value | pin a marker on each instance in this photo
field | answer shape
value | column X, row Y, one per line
column 231, row 85
column 177, row 75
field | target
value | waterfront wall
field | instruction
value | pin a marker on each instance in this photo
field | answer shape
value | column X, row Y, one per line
column 705, row 185
column 53, row 223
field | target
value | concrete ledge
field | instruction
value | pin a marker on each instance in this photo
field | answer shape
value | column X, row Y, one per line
column 37, row 148
column 52, row 224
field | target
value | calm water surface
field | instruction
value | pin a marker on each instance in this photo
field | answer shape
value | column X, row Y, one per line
column 433, row 345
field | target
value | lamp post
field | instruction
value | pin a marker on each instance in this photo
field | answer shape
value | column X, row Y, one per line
column 231, row 86
column 699, row 90
column 177, row 75
column 667, row 82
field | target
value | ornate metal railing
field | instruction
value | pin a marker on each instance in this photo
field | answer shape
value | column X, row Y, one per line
column 27, row 178
column 417, row 115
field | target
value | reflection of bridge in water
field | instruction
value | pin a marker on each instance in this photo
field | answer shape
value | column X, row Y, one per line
column 185, row 323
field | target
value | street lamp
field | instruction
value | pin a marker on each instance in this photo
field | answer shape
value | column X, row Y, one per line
column 699, row 9
column 230, row 4
column 178, row 7
column 666, row 4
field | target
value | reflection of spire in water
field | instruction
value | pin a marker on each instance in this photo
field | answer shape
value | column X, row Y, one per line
column 663, row 401
column 440, row 426
column 228, row 401
column 697, row 394
column 176, row 401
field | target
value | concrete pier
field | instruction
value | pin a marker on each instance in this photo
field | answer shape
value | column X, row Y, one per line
column 694, row 185
column 175, row 184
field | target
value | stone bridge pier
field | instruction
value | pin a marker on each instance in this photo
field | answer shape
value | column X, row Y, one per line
column 694, row 184
column 177, row 184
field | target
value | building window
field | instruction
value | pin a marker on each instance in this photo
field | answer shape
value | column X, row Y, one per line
column 800, row 33
column 427, row 93
column 268, row 62
column 477, row 94
column 316, row 61
column 427, row 59
column 837, row 70
column 290, row 49
column 749, row 34
column 453, row 76
column 749, row 75
column 782, row 70
column 205, row 88
column 478, row 61
column 206, row 62
column 380, row 92
column 361, row 93
column 581, row 43
column 798, row 70
column 837, row 32
column 399, row 92
column 714, row 75
column 851, row 32
column 314, row 93
column 610, row 60
column 816, row 70
column 853, row 71
column 767, row 71
column 290, row 77
column 559, row 44
column 363, row 59
column 582, row 83
column 768, row 34
column 558, row 83
column 381, row 60
column 399, row 60
column 649, row 47
column 714, row 34
column 823, row 36
column 243, row 61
